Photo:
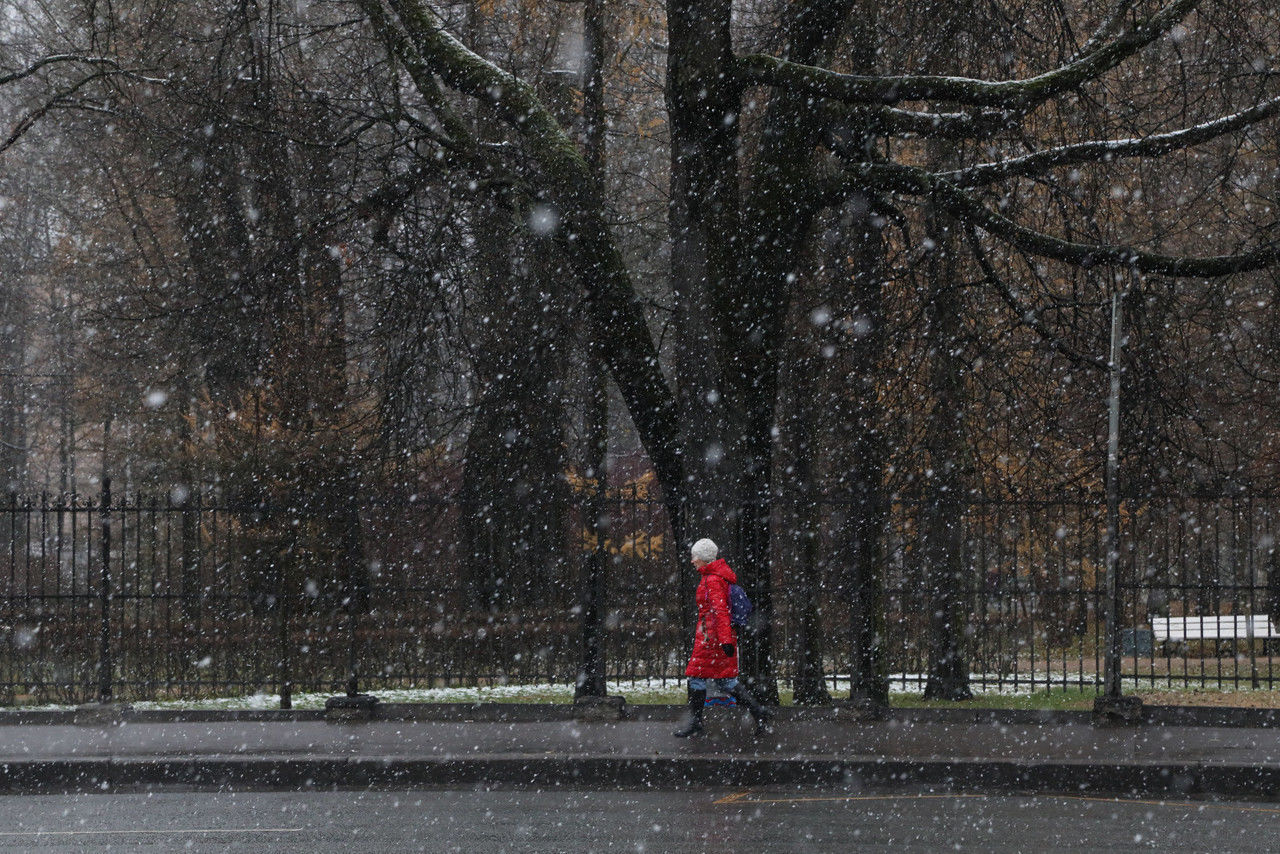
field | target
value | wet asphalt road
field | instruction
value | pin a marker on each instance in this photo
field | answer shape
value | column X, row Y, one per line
column 574, row 821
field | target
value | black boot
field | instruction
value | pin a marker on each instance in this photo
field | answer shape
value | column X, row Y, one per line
column 697, row 699
column 759, row 712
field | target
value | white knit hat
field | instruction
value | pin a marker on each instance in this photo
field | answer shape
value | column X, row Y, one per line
column 704, row 550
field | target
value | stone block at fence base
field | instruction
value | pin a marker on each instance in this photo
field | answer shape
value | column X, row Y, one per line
column 100, row 714
column 860, row 710
column 361, row 707
column 1117, row 710
column 592, row 709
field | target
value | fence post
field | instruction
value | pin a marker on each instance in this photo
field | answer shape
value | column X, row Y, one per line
column 591, row 667
column 591, row 695
column 104, row 597
column 353, row 705
column 353, row 653
column 357, row 595
column 282, row 605
column 354, row 606
column 190, row 578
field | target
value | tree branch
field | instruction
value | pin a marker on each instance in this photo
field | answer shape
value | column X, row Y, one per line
column 619, row 331
column 29, row 120
column 1007, row 94
column 1087, row 152
column 859, row 120
column 1027, row 316
column 54, row 59
column 914, row 181
column 400, row 47
column 899, row 122
column 1108, row 28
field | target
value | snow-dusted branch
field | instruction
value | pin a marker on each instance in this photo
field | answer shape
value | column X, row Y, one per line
column 892, row 120
column 102, row 67
column 1111, row 149
column 1007, row 94
column 28, row 121
column 398, row 45
column 56, row 59
column 971, row 211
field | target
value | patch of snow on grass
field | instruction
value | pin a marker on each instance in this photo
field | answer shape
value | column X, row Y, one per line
column 637, row 692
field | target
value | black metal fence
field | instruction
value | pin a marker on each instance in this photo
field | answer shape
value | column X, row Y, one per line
column 155, row 597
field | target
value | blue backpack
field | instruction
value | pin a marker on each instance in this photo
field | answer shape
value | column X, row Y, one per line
column 740, row 607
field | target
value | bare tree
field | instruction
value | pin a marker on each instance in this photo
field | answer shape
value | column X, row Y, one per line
column 739, row 222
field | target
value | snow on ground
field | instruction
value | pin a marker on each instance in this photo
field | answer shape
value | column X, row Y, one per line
column 671, row 690
column 668, row 690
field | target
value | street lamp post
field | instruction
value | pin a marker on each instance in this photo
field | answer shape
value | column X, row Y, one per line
column 1112, row 544
column 1112, row 705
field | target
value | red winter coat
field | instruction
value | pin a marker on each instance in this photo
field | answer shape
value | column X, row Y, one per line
column 708, row 660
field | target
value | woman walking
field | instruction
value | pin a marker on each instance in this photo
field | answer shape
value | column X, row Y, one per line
column 715, row 647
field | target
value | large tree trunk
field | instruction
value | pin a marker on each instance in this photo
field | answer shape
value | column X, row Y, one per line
column 808, row 682
column 514, row 494
column 776, row 220
column 14, row 388
column 595, row 414
column 857, row 337
column 725, row 335
column 704, row 218
column 945, row 488
column 735, row 263
column 341, row 472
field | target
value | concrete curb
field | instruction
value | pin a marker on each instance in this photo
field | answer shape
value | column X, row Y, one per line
column 1133, row 779
column 1199, row 716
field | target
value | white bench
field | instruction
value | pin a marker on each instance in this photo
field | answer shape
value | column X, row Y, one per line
column 1211, row 628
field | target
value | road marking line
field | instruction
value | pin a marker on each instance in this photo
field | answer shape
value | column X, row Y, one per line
column 138, row 832
column 1168, row 803
column 742, row 798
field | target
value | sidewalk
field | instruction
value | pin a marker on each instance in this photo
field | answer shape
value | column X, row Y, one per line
column 526, row 745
